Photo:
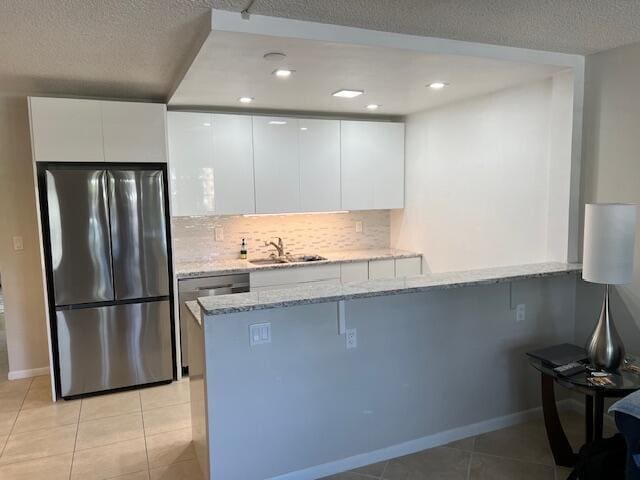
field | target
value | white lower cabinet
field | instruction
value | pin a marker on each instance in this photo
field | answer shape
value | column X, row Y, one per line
column 295, row 275
column 333, row 281
column 408, row 267
column 381, row 269
column 354, row 272
column 347, row 272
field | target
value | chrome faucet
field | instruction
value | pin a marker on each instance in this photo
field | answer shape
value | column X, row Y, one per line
column 278, row 246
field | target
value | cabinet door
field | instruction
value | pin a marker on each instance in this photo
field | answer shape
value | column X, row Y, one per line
column 276, row 166
column 372, row 165
column 191, row 163
column 66, row 130
column 408, row 267
column 319, row 165
column 134, row 132
column 354, row 272
column 380, row 269
column 233, row 164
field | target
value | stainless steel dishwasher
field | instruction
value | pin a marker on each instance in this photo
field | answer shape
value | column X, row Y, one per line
column 194, row 288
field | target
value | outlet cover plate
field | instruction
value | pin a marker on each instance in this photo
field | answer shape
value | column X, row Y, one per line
column 259, row 334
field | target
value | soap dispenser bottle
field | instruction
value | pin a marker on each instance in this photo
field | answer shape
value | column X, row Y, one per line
column 243, row 250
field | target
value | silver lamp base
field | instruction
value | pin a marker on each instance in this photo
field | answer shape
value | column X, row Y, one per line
column 605, row 346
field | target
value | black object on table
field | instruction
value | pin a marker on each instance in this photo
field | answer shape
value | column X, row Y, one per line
column 624, row 383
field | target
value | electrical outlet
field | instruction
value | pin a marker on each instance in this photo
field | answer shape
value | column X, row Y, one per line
column 259, row 333
column 352, row 337
column 218, row 233
column 18, row 243
column 359, row 226
column 521, row 312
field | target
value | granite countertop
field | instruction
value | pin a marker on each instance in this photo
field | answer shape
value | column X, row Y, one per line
column 243, row 302
column 194, row 308
column 228, row 266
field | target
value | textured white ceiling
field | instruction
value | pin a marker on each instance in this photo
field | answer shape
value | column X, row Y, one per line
column 231, row 65
column 137, row 48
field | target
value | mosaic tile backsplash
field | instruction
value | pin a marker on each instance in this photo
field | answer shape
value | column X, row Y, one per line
column 194, row 237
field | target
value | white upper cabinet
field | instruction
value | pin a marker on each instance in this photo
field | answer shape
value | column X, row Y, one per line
column 372, row 165
column 134, row 132
column 191, row 163
column 66, row 130
column 233, row 164
column 276, row 165
column 211, row 164
column 319, row 159
column 73, row 130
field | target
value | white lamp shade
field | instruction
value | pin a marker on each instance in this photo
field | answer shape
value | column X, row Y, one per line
column 609, row 243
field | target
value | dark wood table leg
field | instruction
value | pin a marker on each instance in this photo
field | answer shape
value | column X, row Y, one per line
column 598, row 415
column 588, row 415
column 560, row 447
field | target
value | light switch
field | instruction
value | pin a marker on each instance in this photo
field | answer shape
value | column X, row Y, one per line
column 259, row 333
column 219, row 234
column 359, row 226
column 18, row 243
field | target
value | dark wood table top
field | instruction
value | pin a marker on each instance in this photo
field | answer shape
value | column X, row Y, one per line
column 624, row 381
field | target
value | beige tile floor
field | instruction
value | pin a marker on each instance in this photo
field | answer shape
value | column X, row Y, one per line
column 134, row 435
column 515, row 453
column 146, row 435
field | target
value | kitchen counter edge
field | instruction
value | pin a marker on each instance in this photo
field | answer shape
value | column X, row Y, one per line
column 304, row 295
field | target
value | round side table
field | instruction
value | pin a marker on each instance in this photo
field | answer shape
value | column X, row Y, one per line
column 624, row 383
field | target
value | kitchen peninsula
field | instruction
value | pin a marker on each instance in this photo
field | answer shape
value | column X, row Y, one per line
column 312, row 380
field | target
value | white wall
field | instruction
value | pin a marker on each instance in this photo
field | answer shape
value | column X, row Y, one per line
column 425, row 364
column 611, row 172
column 21, row 272
column 486, row 182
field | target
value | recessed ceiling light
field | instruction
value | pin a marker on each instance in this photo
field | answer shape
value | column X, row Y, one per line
column 277, row 122
column 274, row 56
column 206, row 124
column 437, row 85
column 372, row 106
column 245, row 99
column 303, row 128
column 282, row 73
column 345, row 93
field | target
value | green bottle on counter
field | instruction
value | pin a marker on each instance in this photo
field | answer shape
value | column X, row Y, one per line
column 243, row 250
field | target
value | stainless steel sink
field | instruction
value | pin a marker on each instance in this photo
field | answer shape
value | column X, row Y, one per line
column 287, row 259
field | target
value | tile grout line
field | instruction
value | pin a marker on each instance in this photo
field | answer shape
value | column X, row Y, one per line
column 384, row 469
column 144, row 434
column 468, row 477
column 75, row 442
column 15, row 420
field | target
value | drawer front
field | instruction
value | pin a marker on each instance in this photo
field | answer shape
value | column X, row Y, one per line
column 407, row 267
column 379, row 269
column 284, row 276
column 332, row 281
column 354, row 272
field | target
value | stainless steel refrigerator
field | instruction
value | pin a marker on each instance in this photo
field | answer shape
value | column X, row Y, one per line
column 106, row 245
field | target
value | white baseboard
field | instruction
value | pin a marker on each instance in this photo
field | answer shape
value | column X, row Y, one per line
column 419, row 444
column 33, row 372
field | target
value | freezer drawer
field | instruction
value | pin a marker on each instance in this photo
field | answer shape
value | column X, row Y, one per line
column 138, row 233
column 79, row 233
column 114, row 346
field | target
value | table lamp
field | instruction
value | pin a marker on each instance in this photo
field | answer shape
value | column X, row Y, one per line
column 609, row 245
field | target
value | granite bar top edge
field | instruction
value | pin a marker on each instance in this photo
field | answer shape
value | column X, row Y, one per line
column 186, row 270
column 305, row 295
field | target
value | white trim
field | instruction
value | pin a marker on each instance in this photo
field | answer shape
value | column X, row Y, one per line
column 226, row 21
column 33, row 372
column 43, row 268
column 419, row 444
